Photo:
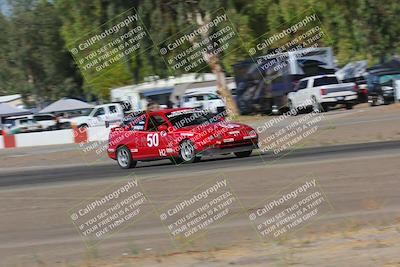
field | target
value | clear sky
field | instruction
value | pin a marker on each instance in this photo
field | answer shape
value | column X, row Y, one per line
column 4, row 7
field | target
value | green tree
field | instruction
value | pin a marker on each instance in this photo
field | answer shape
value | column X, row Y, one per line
column 45, row 69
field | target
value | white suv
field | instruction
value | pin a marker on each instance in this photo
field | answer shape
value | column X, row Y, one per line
column 209, row 101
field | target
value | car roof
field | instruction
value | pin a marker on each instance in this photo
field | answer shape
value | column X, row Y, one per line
column 319, row 76
column 43, row 114
column 157, row 112
column 199, row 93
column 20, row 117
column 167, row 110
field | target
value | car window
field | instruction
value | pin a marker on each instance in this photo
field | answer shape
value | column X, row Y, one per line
column 10, row 122
column 154, row 122
column 212, row 97
column 113, row 109
column 325, row 81
column 199, row 97
column 386, row 78
column 43, row 118
column 24, row 122
column 99, row 112
column 135, row 122
column 184, row 118
column 302, row 85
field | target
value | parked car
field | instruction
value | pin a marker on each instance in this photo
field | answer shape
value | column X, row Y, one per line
column 263, row 82
column 203, row 100
column 322, row 92
column 22, row 124
column 361, row 87
column 181, row 135
column 381, row 87
column 47, row 121
column 113, row 112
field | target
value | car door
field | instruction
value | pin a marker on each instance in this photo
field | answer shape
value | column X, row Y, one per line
column 301, row 93
column 114, row 113
column 134, row 137
column 99, row 117
column 156, row 142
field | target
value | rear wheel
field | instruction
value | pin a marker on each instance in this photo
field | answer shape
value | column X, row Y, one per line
column 349, row 105
column 124, row 158
column 243, row 154
column 317, row 107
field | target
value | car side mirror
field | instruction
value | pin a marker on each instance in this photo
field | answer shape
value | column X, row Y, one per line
column 162, row 128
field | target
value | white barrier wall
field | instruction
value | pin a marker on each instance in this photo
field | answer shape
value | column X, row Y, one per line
column 98, row 133
column 1, row 142
column 44, row 138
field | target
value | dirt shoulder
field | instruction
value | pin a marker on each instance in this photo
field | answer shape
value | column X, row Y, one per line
column 356, row 247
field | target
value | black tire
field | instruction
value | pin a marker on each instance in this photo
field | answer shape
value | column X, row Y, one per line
column 176, row 160
column 187, row 152
column 317, row 107
column 349, row 105
column 324, row 108
column 124, row 158
column 380, row 100
column 291, row 107
column 197, row 159
column 243, row 154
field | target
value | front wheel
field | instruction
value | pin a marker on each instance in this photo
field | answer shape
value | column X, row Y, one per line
column 379, row 100
column 243, row 154
column 187, row 153
column 124, row 158
column 292, row 108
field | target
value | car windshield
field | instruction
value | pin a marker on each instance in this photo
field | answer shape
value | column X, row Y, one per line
column 325, row 81
column 27, row 122
column 85, row 112
column 135, row 121
column 386, row 78
column 184, row 118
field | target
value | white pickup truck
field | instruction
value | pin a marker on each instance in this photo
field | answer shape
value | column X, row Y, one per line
column 322, row 92
column 112, row 112
column 203, row 100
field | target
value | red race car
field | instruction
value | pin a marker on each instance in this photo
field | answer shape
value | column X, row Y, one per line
column 181, row 135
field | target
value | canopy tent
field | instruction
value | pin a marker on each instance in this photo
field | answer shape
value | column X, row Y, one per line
column 392, row 64
column 66, row 104
column 352, row 70
column 7, row 111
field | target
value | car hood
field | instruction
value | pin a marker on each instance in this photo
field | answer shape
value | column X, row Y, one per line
column 79, row 119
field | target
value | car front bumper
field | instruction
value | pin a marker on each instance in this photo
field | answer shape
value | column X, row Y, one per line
column 231, row 149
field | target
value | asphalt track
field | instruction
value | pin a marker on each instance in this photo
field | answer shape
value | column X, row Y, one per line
column 110, row 169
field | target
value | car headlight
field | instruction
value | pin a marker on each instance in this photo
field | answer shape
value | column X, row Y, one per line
column 252, row 133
